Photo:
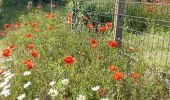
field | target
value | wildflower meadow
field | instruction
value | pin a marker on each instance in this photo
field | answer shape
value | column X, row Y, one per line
column 71, row 50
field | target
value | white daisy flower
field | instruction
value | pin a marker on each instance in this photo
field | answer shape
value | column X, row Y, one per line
column 53, row 92
column 6, row 73
column 27, row 84
column 21, row 97
column 96, row 88
column 104, row 99
column 81, row 97
column 26, row 73
column 6, row 80
column 2, row 60
column 52, row 83
column 65, row 81
column 5, row 92
column 9, row 77
column 6, row 60
column 7, row 86
column 3, row 67
column 36, row 99
column 2, row 84
column 9, row 59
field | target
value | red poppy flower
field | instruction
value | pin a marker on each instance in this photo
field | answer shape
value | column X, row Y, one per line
column 108, row 24
column 7, row 25
column 27, row 61
column 94, row 46
column 6, row 52
column 12, row 47
column 85, row 18
column 30, row 47
column 35, row 29
column 34, row 54
column 28, row 35
column 34, row 24
column 101, row 29
column 112, row 44
column 47, row 15
column 150, row 9
column 90, row 26
column 17, row 25
column 26, row 23
column 135, row 75
column 93, row 41
column 1, row 71
column 28, row 64
column 68, row 60
column 52, row 15
column 112, row 68
column 117, row 76
column 51, row 28
column 2, row 34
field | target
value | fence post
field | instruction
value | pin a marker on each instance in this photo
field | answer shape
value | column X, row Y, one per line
column 51, row 6
column 118, row 22
column 40, row 2
column 74, row 14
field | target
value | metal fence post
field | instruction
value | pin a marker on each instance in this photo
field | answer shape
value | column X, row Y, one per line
column 74, row 16
column 51, row 6
column 120, row 4
column 40, row 2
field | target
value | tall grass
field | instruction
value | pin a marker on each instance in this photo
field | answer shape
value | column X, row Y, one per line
column 90, row 68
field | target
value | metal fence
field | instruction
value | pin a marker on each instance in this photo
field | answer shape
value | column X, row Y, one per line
column 139, row 26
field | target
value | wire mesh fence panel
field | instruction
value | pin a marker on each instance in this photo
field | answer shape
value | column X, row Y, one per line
column 145, row 29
